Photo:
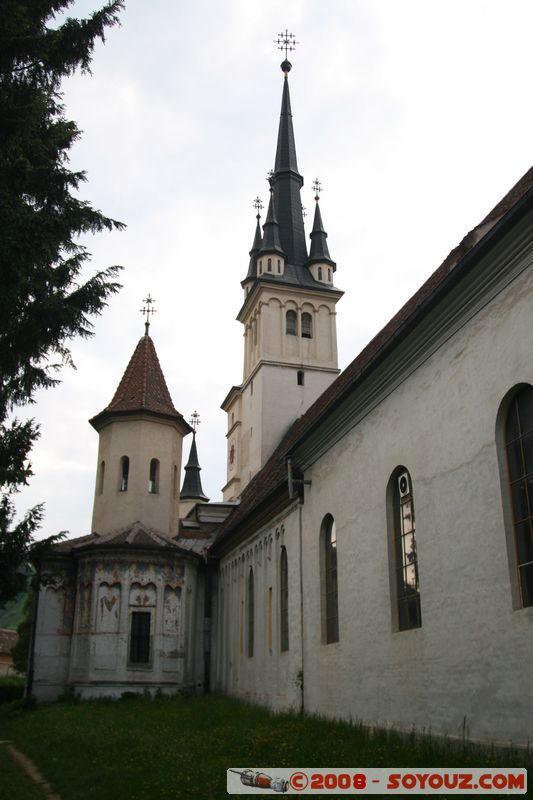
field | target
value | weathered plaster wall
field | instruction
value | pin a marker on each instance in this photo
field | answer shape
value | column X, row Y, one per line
column 110, row 588
column 270, row 676
column 471, row 658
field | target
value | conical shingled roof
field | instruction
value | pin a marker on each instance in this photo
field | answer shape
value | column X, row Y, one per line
column 142, row 389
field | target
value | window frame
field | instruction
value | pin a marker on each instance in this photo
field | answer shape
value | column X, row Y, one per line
column 329, row 581
column 284, row 641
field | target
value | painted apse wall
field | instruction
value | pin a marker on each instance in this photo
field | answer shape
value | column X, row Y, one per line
column 84, row 625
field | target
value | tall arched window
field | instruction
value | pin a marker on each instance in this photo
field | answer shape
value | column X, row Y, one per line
column 409, row 613
column 250, row 612
column 269, row 265
column 291, row 322
column 101, row 478
column 307, row 325
column 328, row 582
column 284, row 600
column 320, row 273
column 153, row 477
column 519, row 449
column 124, row 473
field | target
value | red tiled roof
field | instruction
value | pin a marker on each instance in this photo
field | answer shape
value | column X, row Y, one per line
column 143, row 387
column 274, row 473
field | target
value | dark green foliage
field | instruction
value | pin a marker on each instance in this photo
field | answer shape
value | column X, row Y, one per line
column 21, row 649
column 11, row 688
column 43, row 302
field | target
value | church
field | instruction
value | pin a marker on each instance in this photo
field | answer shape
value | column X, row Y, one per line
column 372, row 556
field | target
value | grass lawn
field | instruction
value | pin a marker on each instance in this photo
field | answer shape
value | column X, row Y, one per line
column 173, row 748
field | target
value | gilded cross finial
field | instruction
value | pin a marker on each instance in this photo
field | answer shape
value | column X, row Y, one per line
column 258, row 205
column 147, row 310
column 194, row 420
column 317, row 188
column 286, row 41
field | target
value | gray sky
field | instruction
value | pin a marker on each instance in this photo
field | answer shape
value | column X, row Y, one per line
column 415, row 115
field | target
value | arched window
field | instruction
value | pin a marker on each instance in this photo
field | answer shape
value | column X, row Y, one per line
column 405, row 557
column 291, row 322
column 153, row 477
column 284, row 600
column 279, row 265
column 328, row 582
column 300, row 377
column 329, row 274
column 320, row 273
column 260, row 267
column 101, row 478
column 519, row 449
column 124, row 473
column 269, row 265
column 307, row 325
column 250, row 613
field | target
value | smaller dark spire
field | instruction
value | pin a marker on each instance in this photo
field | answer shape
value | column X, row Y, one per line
column 258, row 240
column 271, row 241
column 319, row 247
column 192, row 483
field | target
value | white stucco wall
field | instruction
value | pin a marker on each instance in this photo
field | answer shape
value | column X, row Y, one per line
column 471, row 658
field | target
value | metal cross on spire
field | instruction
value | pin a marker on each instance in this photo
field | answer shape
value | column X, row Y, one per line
column 194, row 420
column 286, row 41
column 258, row 205
column 317, row 188
column 147, row 310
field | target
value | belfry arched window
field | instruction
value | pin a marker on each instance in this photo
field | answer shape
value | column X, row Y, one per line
column 153, row 476
column 124, row 473
column 250, row 612
column 291, row 322
column 328, row 580
column 405, row 558
column 519, row 452
column 307, row 325
column 284, row 600
column 269, row 265
column 320, row 273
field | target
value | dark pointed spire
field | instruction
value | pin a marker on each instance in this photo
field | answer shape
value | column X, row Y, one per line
column 319, row 246
column 192, row 484
column 258, row 240
column 287, row 183
column 271, row 233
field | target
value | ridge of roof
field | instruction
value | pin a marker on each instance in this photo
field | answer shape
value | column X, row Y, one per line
column 273, row 474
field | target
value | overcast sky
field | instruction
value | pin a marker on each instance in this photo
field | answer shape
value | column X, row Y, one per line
column 415, row 115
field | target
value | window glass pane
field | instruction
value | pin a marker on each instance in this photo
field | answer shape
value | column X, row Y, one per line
column 140, row 637
column 519, row 494
column 526, row 584
column 527, row 448
column 512, row 429
column 524, row 401
column 514, row 460
column 524, row 542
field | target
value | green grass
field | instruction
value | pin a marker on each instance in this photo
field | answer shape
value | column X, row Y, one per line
column 14, row 783
column 172, row 748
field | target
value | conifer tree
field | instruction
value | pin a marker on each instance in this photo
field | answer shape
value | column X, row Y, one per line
column 44, row 303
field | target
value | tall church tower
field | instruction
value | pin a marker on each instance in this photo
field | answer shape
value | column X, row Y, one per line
column 288, row 314
column 139, row 450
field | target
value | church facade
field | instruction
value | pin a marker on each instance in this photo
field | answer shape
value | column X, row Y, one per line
column 372, row 557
